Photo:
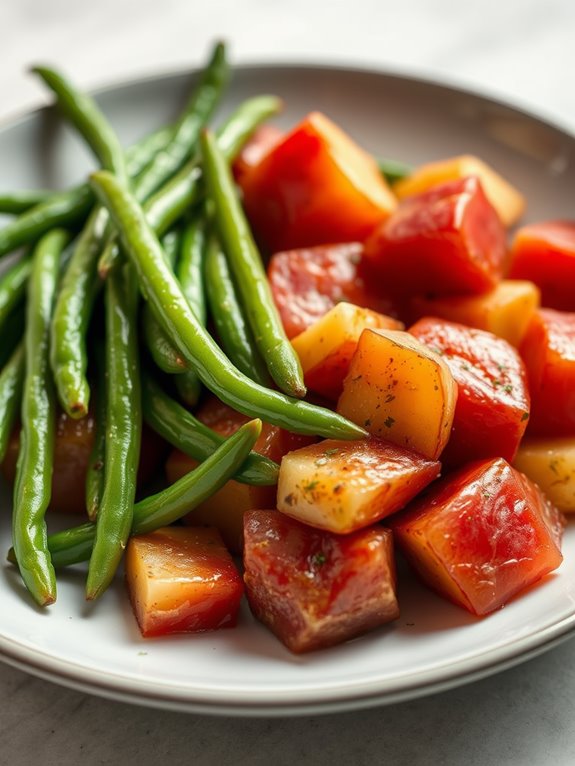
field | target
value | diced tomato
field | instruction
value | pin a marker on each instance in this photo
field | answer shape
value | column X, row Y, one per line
column 225, row 509
column 481, row 535
column 448, row 240
column 264, row 139
column 545, row 254
column 307, row 283
column 345, row 486
column 315, row 589
column 315, row 187
column 492, row 407
column 182, row 580
column 548, row 350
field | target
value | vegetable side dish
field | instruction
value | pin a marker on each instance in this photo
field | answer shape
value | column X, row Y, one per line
column 334, row 357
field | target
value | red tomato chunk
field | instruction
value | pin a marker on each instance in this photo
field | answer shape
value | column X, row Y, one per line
column 182, row 580
column 307, row 283
column 314, row 589
column 545, row 254
column 481, row 535
column 315, row 186
column 492, row 407
column 448, row 240
column 548, row 350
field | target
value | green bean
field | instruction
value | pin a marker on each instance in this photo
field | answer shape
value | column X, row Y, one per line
column 13, row 287
column 69, row 207
column 182, row 430
column 190, row 273
column 83, row 112
column 249, row 274
column 184, row 190
column 393, row 171
column 234, row 334
column 80, row 285
column 32, row 488
column 123, row 432
column 95, row 469
column 14, row 203
column 161, row 349
column 196, row 114
column 62, row 209
column 172, row 310
column 72, row 546
column 11, row 381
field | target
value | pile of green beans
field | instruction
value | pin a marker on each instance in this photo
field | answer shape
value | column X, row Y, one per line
column 121, row 278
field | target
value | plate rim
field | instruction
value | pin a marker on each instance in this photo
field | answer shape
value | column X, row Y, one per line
column 348, row 695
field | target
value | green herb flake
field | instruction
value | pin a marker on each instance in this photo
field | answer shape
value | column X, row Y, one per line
column 319, row 559
column 389, row 421
column 524, row 417
column 310, row 486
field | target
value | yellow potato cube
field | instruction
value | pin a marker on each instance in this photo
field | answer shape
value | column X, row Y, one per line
column 325, row 349
column 504, row 197
column 505, row 311
column 550, row 463
column 400, row 390
column 344, row 486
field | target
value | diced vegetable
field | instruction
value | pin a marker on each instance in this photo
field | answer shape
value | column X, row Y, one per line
column 344, row 487
column 545, row 254
column 182, row 580
column 225, row 509
column 314, row 589
column 505, row 311
column 263, row 139
column 307, row 283
column 505, row 198
column 548, row 350
column 401, row 391
column 492, row 407
column 315, row 186
column 446, row 241
column 481, row 535
column 550, row 463
column 325, row 349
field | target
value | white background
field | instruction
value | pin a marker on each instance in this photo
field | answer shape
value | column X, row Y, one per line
column 522, row 50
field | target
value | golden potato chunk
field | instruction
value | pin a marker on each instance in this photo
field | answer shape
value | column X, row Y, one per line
column 344, row 486
column 505, row 198
column 505, row 311
column 325, row 349
column 400, row 390
column 550, row 463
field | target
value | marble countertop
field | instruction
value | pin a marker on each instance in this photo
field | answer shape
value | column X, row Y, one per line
column 520, row 50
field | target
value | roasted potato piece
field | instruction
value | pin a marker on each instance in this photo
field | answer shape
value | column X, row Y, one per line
column 550, row 463
column 325, row 349
column 401, row 391
column 344, row 486
column 505, row 311
column 182, row 580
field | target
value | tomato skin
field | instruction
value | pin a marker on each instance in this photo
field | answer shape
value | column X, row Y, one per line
column 261, row 142
column 182, row 581
column 314, row 589
column 308, row 282
column 314, row 187
column 548, row 350
column 493, row 402
column 448, row 240
column 481, row 535
column 545, row 254
column 225, row 509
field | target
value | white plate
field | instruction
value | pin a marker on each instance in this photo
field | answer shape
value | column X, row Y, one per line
column 246, row 671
